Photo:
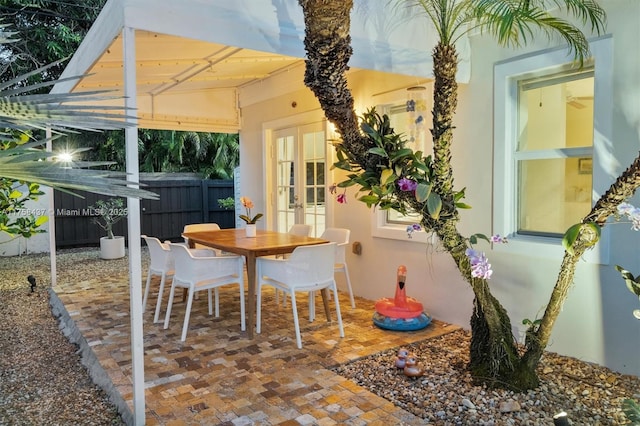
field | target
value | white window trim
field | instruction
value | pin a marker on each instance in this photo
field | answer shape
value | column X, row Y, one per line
column 506, row 74
column 395, row 231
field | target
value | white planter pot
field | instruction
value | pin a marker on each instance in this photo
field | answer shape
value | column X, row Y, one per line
column 250, row 230
column 111, row 248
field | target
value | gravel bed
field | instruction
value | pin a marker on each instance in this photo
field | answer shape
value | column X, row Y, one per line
column 445, row 395
column 42, row 380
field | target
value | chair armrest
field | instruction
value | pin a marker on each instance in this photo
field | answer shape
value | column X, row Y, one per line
column 203, row 253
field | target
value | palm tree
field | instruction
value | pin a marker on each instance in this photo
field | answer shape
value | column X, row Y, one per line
column 23, row 113
column 377, row 159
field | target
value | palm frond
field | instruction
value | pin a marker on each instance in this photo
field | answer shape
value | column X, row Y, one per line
column 513, row 22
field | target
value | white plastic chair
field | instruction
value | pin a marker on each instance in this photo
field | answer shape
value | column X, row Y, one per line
column 198, row 270
column 160, row 263
column 303, row 230
column 201, row 227
column 340, row 236
column 308, row 269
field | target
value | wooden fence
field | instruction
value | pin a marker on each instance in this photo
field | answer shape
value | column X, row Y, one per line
column 182, row 201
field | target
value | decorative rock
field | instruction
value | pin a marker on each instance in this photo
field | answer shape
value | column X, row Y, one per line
column 470, row 405
column 509, row 406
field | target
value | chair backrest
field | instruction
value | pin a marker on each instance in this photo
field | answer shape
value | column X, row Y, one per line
column 197, row 265
column 311, row 265
column 201, row 227
column 340, row 236
column 160, row 257
column 301, row 229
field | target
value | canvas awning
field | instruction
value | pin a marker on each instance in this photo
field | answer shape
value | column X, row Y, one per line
column 196, row 59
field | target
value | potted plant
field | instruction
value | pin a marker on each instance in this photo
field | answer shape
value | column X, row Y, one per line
column 107, row 213
column 250, row 220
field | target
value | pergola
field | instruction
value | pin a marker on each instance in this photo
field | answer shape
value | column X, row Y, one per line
column 194, row 64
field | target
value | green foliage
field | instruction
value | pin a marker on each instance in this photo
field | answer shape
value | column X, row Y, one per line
column 631, row 409
column 227, row 203
column 633, row 283
column 49, row 30
column 394, row 162
column 15, row 218
column 571, row 235
column 108, row 213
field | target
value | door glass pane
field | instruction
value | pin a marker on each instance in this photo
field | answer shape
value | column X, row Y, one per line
column 554, row 192
column 314, row 144
column 285, row 180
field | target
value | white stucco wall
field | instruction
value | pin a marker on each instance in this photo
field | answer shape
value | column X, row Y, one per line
column 596, row 323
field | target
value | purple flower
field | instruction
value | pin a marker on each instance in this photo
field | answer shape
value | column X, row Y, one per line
column 407, row 185
column 480, row 266
column 413, row 228
column 498, row 239
column 342, row 198
column 333, row 188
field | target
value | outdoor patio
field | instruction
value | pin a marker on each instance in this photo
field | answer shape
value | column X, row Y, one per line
column 219, row 376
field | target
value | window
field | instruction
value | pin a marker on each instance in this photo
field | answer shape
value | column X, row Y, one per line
column 552, row 122
column 555, row 140
column 410, row 118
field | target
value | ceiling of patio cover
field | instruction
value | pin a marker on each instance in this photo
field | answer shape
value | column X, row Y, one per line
column 198, row 60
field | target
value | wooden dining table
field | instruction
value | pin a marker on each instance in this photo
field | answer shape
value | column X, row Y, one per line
column 265, row 243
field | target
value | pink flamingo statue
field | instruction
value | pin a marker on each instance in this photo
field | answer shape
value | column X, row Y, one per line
column 402, row 312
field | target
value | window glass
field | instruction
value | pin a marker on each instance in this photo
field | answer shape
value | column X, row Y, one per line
column 409, row 119
column 554, row 172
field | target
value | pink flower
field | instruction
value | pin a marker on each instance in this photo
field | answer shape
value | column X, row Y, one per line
column 342, row 198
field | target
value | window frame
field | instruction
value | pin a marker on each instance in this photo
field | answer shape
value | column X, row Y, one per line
column 506, row 76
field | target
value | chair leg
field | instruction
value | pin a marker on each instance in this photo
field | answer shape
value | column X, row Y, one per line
column 295, row 319
column 346, row 275
column 187, row 314
column 210, row 302
column 156, row 316
column 258, row 308
column 335, row 294
column 169, row 305
column 146, row 291
column 243, row 321
column 217, row 297
column 312, row 306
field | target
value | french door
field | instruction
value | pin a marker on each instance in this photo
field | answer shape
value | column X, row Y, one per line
column 299, row 175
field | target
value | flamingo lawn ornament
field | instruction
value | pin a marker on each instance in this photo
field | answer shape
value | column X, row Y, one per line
column 401, row 313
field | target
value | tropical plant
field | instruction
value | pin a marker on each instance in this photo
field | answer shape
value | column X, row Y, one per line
column 23, row 114
column 107, row 213
column 49, row 30
column 376, row 159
